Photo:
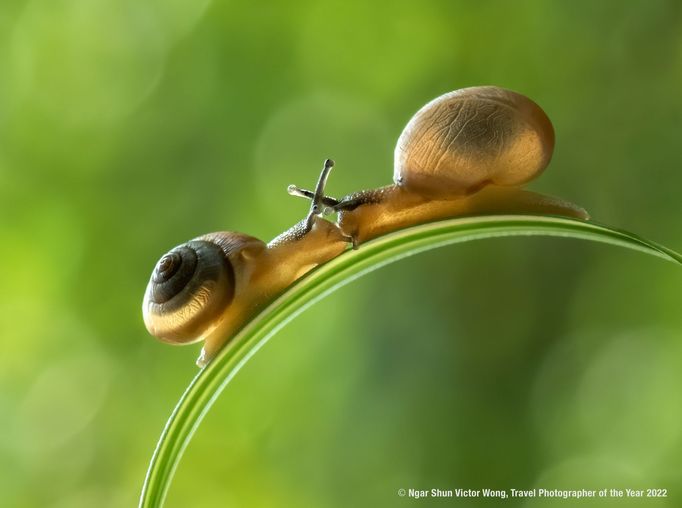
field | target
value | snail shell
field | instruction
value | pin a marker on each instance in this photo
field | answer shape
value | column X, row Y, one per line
column 193, row 284
column 465, row 139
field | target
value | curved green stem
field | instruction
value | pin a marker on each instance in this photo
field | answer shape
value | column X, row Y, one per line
column 210, row 381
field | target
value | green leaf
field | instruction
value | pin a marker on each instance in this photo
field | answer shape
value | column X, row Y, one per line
column 210, row 381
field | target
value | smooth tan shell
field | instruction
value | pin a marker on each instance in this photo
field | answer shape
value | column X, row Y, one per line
column 471, row 137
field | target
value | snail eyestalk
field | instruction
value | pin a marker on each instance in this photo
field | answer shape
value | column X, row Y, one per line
column 327, row 201
column 318, row 195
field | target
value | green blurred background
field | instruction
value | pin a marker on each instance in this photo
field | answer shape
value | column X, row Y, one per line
column 129, row 126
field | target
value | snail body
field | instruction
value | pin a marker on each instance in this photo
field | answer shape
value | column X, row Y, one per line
column 375, row 213
column 207, row 288
column 466, row 152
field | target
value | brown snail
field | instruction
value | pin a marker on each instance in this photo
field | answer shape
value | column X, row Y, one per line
column 205, row 289
column 466, row 152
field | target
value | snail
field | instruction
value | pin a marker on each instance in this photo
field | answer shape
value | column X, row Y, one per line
column 466, row 152
column 206, row 289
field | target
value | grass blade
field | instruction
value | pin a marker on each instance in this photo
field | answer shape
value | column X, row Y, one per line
column 210, row 381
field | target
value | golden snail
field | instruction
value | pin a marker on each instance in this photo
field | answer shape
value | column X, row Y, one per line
column 206, row 288
column 466, row 152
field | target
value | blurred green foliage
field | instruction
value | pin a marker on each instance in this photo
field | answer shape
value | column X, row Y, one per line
column 127, row 127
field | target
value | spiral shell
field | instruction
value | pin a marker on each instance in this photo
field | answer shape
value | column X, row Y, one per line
column 193, row 284
column 472, row 137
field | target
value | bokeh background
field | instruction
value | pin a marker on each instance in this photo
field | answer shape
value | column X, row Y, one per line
column 129, row 126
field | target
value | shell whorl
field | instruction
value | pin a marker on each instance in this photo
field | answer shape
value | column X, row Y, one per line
column 469, row 138
column 189, row 288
